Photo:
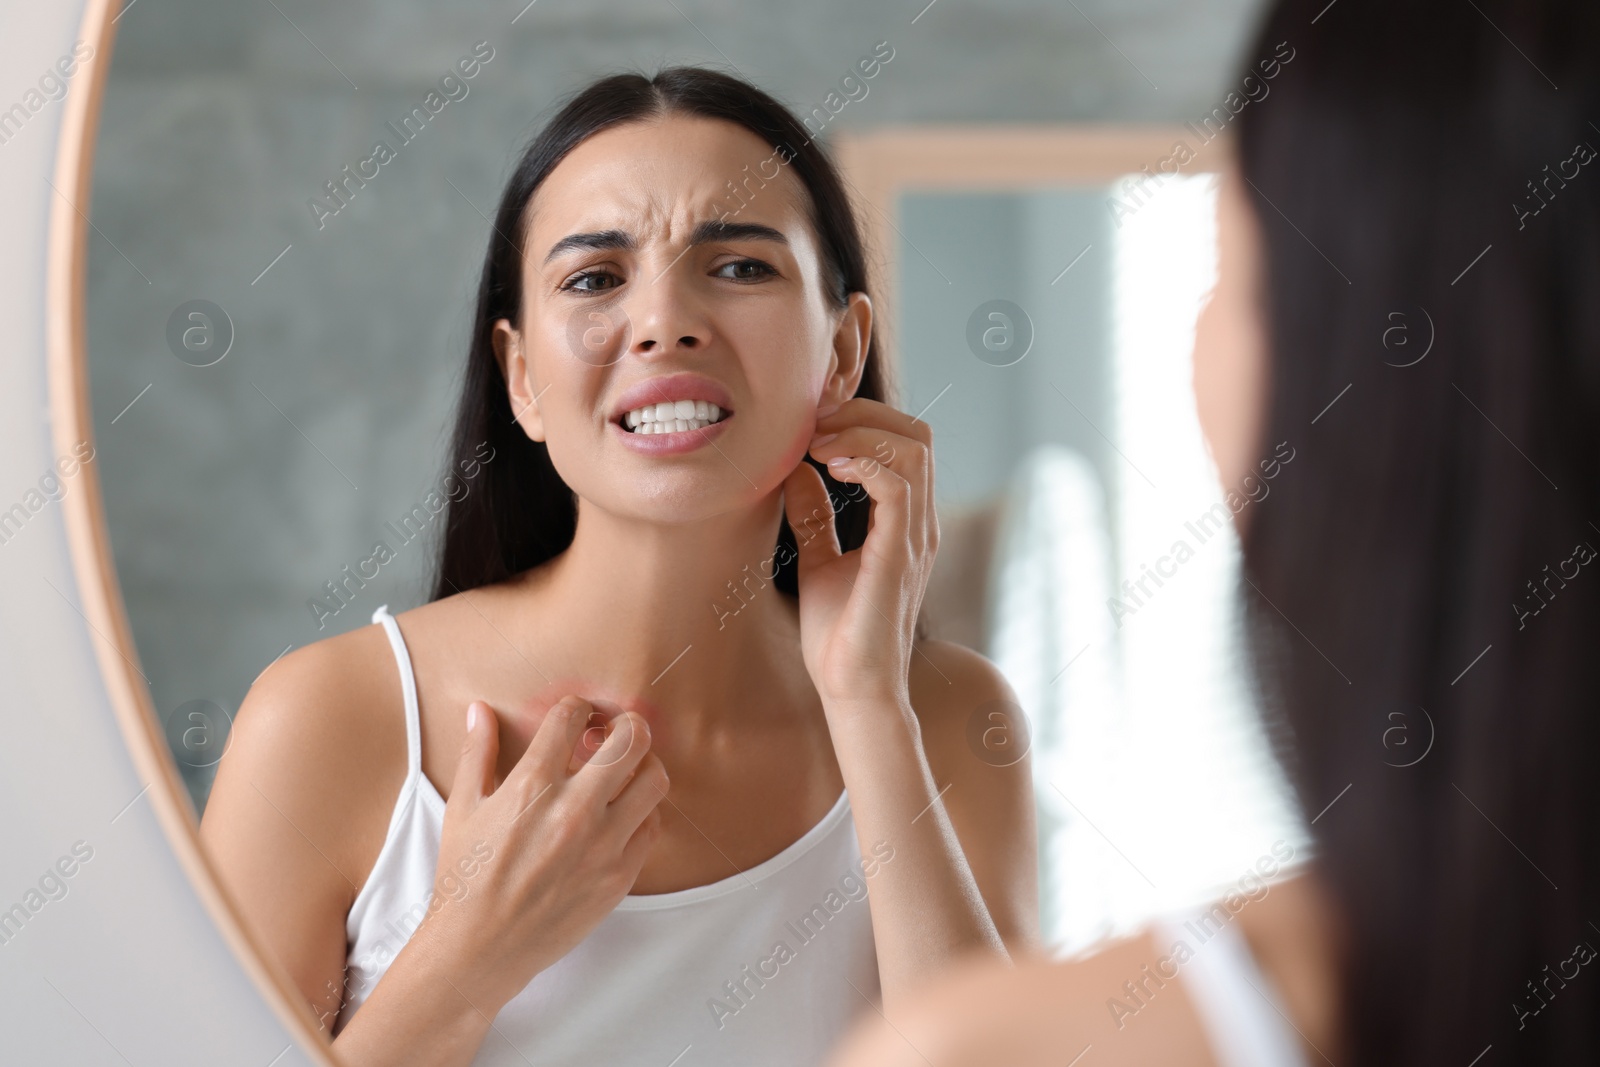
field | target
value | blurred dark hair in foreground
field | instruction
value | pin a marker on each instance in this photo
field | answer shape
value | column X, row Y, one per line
column 1423, row 573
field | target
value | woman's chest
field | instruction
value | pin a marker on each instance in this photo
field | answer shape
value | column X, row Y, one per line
column 717, row 826
column 733, row 803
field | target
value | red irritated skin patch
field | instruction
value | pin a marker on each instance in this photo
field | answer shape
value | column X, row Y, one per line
column 603, row 714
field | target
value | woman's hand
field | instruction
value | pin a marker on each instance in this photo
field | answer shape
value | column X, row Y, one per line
column 564, row 846
column 858, row 608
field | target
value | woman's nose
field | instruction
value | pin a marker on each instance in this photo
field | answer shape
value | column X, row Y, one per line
column 687, row 341
column 665, row 317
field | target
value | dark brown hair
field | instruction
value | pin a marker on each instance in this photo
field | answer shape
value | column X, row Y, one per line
column 1415, row 167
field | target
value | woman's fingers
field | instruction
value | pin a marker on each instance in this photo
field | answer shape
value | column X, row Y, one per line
column 859, row 411
column 895, row 471
column 642, row 840
column 893, row 500
column 877, row 447
column 474, row 778
column 883, row 437
column 627, row 744
column 550, row 752
column 878, row 425
column 576, row 853
column 641, row 795
column 810, row 514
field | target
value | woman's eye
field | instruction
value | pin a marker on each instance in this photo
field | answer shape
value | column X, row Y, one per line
column 591, row 281
column 745, row 270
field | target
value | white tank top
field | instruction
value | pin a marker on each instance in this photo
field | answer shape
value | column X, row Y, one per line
column 768, row 966
column 1240, row 1008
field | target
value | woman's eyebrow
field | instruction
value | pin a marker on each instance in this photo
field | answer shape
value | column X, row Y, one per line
column 705, row 233
column 598, row 240
column 720, row 230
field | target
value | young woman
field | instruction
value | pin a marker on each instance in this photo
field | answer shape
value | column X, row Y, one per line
column 1409, row 263
column 677, row 773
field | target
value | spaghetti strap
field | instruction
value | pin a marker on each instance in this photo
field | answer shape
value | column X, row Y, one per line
column 1240, row 1009
column 408, row 686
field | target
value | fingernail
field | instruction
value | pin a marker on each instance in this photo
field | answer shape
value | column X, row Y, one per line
column 472, row 716
column 839, row 461
column 823, row 439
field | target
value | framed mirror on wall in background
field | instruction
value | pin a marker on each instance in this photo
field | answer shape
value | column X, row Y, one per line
column 1043, row 285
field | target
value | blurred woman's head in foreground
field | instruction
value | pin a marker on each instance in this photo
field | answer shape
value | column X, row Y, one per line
column 1409, row 296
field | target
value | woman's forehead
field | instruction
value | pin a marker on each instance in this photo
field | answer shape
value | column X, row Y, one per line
column 658, row 179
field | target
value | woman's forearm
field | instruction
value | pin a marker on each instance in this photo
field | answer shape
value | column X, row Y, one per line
column 414, row 1017
column 926, row 908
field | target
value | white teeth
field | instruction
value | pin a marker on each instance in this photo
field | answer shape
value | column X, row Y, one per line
column 673, row 426
column 673, row 416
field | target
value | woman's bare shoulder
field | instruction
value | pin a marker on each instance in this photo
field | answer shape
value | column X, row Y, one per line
column 320, row 736
column 1036, row 1011
column 331, row 698
column 300, row 804
column 1119, row 997
column 966, row 708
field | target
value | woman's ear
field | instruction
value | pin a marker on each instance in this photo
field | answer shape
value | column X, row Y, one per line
column 850, row 342
column 518, row 375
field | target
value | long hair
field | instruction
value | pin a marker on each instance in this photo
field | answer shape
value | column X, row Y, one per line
column 519, row 513
column 1425, row 620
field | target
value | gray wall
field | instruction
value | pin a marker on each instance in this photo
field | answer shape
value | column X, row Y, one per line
column 234, row 491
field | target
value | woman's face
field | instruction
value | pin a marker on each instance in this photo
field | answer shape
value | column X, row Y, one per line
column 671, row 265
column 1230, row 357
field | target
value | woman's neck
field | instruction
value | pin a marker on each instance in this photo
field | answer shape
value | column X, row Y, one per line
column 681, row 623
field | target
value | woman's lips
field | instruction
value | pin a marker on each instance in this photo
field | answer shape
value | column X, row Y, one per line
column 669, row 444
